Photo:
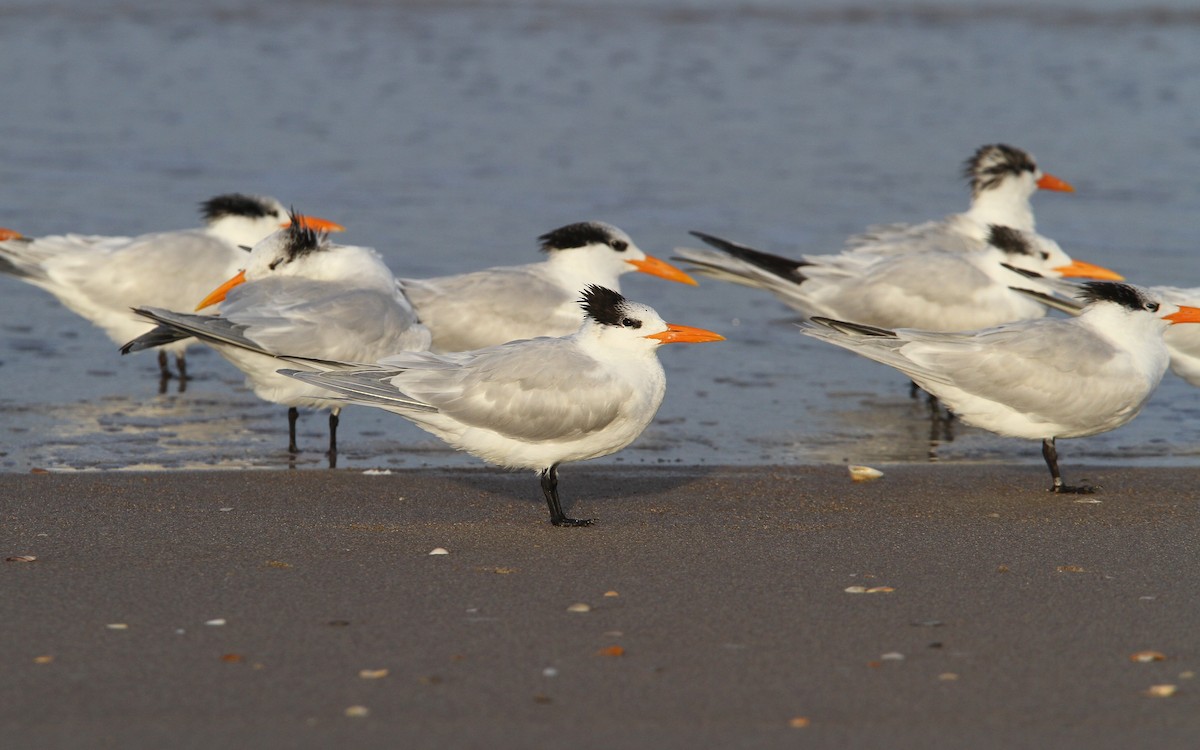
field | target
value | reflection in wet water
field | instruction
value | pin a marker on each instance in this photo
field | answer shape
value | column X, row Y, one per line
column 450, row 135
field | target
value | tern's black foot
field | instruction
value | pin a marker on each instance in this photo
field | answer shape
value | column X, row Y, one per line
column 1080, row 489
column 564, row 521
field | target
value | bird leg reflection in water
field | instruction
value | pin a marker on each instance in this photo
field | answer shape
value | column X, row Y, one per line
column 550, row 490
column 165, row 375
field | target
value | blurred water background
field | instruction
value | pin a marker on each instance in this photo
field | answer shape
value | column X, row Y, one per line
column 449, row 134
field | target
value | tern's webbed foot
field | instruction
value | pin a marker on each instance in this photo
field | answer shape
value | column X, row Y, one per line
column 564, row 521
column 1067, row 489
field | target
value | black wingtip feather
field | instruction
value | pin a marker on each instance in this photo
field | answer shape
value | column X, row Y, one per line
column 858, row 329
column 775, row 264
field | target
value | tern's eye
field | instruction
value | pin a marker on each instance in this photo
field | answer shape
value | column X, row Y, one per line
column 631, row 323
column 619, row 245
column 1152, row 306
column 1045, row 255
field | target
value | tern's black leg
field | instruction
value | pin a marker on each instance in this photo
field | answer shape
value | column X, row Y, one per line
column 1050, row 453
column 293, row 415
column 333, row 425
column 550, row 490
column 181, row 366
column 164, row 371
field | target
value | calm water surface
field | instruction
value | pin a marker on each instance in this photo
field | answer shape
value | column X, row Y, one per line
column 449, row 135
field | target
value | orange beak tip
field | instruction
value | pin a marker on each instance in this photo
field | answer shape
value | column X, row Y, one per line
column 685, row 335
column 1050, row 182
column 1080, row 269
column 317, row 224
column 1185, row 314
column 662, row 269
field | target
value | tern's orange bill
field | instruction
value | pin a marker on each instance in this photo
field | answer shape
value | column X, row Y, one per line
column 219, row 293
column 1050, row 182
column 9, row 234
column 685, row 335
column 1079, row 269
column 317, row 224
column 1185, row 315
column 661, row 269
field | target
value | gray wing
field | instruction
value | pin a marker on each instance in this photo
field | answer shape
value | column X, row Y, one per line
column 1038, row 374
column 477, row 310
column 324, row 319
column 208, row 328
column 370, row 387
column 167, row 270
column 541, row 389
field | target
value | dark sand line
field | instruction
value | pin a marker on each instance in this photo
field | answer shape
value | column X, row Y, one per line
column 1006, row 616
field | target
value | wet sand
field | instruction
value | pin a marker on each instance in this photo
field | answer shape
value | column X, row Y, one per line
column 718, row 610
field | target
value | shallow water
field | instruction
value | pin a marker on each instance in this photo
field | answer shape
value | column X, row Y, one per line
column 449, row 135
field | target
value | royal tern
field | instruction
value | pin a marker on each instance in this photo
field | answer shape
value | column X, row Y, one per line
column 904, row 275
column 530, row 404
column 299, row 294
column 484, row 308
column 1039, row 379
column 936, row 290
column 1002, row 178
column 101, row 278
column 1183, row 343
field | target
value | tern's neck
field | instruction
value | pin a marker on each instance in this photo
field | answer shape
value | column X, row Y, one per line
column 577, row 269
column 1141, row 335
column 1006, row 205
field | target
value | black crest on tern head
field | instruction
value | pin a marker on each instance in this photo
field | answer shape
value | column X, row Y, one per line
column 299, row 240
column 604, row 306
column 1113, row 291
column 235, row 204
column 1011, row 241
column 579, row 235
column 990, row 164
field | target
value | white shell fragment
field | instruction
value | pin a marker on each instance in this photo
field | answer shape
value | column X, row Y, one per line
column 439, row 551
column 215, row 623
column 579, row 607
column 358, row 712
column 117, row 626
column 1161, row 691
column 864, row 473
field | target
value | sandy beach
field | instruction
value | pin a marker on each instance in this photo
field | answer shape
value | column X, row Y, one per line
column 939, row 606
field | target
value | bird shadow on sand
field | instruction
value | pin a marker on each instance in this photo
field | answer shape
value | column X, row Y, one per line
column 585, row 489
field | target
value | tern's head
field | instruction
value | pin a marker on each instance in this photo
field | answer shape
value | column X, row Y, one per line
column 619, row 323
column 600, row 252
column 1031, row 252
column 1003, row 178
column 246, row 219
column 300, row 251
column 1127, row 302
